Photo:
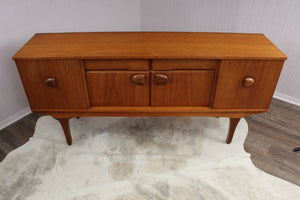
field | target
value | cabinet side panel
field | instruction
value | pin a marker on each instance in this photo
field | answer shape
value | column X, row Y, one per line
column 66, row 91
column 233, row 92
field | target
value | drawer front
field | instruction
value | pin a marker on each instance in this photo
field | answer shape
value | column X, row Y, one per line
column 118, row 88
column 139, row 64
column 182, row 87
column 57, row 84
column 184, row 64
column 246, row 84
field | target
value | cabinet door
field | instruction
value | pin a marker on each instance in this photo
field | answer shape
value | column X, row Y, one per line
column 246, row 84
column 55, row 84
column 118, row 88
column 182, row 87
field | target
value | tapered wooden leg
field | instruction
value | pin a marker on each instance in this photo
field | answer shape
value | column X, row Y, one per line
column 232, row 125
column 66, row 127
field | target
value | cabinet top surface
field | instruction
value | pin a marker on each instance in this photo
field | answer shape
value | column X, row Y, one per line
column 149, row 45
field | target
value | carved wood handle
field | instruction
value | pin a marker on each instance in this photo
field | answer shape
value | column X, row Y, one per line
column 160, row 79
column 248, row 82
column 138, row 79
column 50, row 82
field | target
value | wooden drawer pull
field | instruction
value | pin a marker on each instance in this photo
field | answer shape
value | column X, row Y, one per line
column 50, row 82
column 138, row 79
column 248, row 82
column 160, row 79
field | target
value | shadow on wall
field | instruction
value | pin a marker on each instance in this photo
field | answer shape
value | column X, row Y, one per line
column 12, row 95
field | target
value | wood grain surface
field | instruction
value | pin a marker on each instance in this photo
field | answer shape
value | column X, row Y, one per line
column 188, row 74
column 116, row 88
column 272, row 137
column 184, row 88
column 184, row 64
column 117, row 64
column 148, row 111
column 69, row 90
column 149, row 45
column 231, row 91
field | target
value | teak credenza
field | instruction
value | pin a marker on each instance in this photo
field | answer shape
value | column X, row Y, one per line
column 69, row 75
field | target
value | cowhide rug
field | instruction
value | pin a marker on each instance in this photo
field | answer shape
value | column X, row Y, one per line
column 138, row 158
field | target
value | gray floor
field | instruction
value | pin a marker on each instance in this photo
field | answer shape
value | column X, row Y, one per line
column 272, row 137
column 270, row 141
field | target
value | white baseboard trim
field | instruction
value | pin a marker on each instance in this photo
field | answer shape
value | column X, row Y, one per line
column 15, row 117
column 287, row 98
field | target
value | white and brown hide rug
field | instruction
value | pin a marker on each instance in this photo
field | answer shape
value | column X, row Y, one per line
column 151, row 158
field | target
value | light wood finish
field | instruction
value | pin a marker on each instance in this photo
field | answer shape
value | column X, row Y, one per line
column 69, row 90
column 184, row 64
column 64, row 122
column 230, row 91
column 183, row 88
column 149, row 45
column 271, row 138
column 232, row 126
column 116, row 64
column 115, row 88
column 108, row 74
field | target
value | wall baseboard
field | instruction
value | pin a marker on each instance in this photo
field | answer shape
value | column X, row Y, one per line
column 287, row 98
column 15, row 117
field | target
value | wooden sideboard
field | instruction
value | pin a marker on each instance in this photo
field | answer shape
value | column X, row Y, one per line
column 69, row 75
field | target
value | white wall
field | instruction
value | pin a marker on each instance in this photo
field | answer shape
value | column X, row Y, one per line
column 279, row 20
column 20, row 20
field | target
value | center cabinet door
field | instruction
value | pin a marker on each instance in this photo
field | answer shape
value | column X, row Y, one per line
column 118, row 88
column 182, row 87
